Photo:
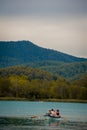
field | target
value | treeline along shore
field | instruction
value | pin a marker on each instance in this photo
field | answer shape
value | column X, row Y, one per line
column 42, row 100
column 24, row 83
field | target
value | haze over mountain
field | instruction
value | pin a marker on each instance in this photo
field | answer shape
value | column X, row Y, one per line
column 23, row 52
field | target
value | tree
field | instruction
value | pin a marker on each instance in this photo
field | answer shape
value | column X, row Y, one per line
column 4, row 87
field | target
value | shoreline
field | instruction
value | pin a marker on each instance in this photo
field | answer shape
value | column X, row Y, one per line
column 43, row 100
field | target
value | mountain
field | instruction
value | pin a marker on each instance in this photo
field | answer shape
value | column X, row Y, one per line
column 23, row 52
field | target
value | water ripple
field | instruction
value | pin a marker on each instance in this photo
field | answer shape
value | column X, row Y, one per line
column 13, row 123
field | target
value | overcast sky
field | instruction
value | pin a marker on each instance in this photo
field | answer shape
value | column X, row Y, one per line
column 54, row 24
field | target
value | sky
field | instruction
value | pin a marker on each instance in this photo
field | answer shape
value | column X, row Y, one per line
column 56, row 24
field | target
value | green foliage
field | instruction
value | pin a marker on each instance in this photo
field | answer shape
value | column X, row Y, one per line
column 71, row 71
column 4, row 87
column 82, row 81
column 35, row 84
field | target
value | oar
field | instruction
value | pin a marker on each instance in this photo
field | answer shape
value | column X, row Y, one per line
column 35, row 116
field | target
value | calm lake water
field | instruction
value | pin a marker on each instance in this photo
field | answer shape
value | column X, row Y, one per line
column 24, row 115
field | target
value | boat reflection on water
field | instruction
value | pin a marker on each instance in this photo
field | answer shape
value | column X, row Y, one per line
column 50, row 121
column 54, row 123
column 54, row 119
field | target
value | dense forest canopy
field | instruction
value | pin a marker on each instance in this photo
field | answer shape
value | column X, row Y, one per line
column 35, row 84
column 71, row 70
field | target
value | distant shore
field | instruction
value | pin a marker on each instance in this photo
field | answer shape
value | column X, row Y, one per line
column 45, row 100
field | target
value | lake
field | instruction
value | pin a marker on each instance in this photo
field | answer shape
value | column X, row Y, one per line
column 25, row 115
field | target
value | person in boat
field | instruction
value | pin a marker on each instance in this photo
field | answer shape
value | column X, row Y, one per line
column 51, row 112
column 54, row 113
column 58, row 113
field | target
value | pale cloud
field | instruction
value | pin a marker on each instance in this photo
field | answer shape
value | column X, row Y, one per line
column 55, row 24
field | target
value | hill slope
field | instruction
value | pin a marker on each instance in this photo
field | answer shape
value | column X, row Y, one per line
column 72, row 70
column 23, row 52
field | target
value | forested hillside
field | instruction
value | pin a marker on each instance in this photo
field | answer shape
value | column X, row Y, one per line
column 41, row 73
column 67, row 70
column 23, row 52
column 35, row 84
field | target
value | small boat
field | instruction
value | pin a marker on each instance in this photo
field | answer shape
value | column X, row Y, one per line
column 51, row 116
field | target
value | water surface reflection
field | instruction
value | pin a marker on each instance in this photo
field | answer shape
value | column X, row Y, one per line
column 40, row 124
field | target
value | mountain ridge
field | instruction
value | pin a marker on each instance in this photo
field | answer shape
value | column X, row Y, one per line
column 22, row 52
